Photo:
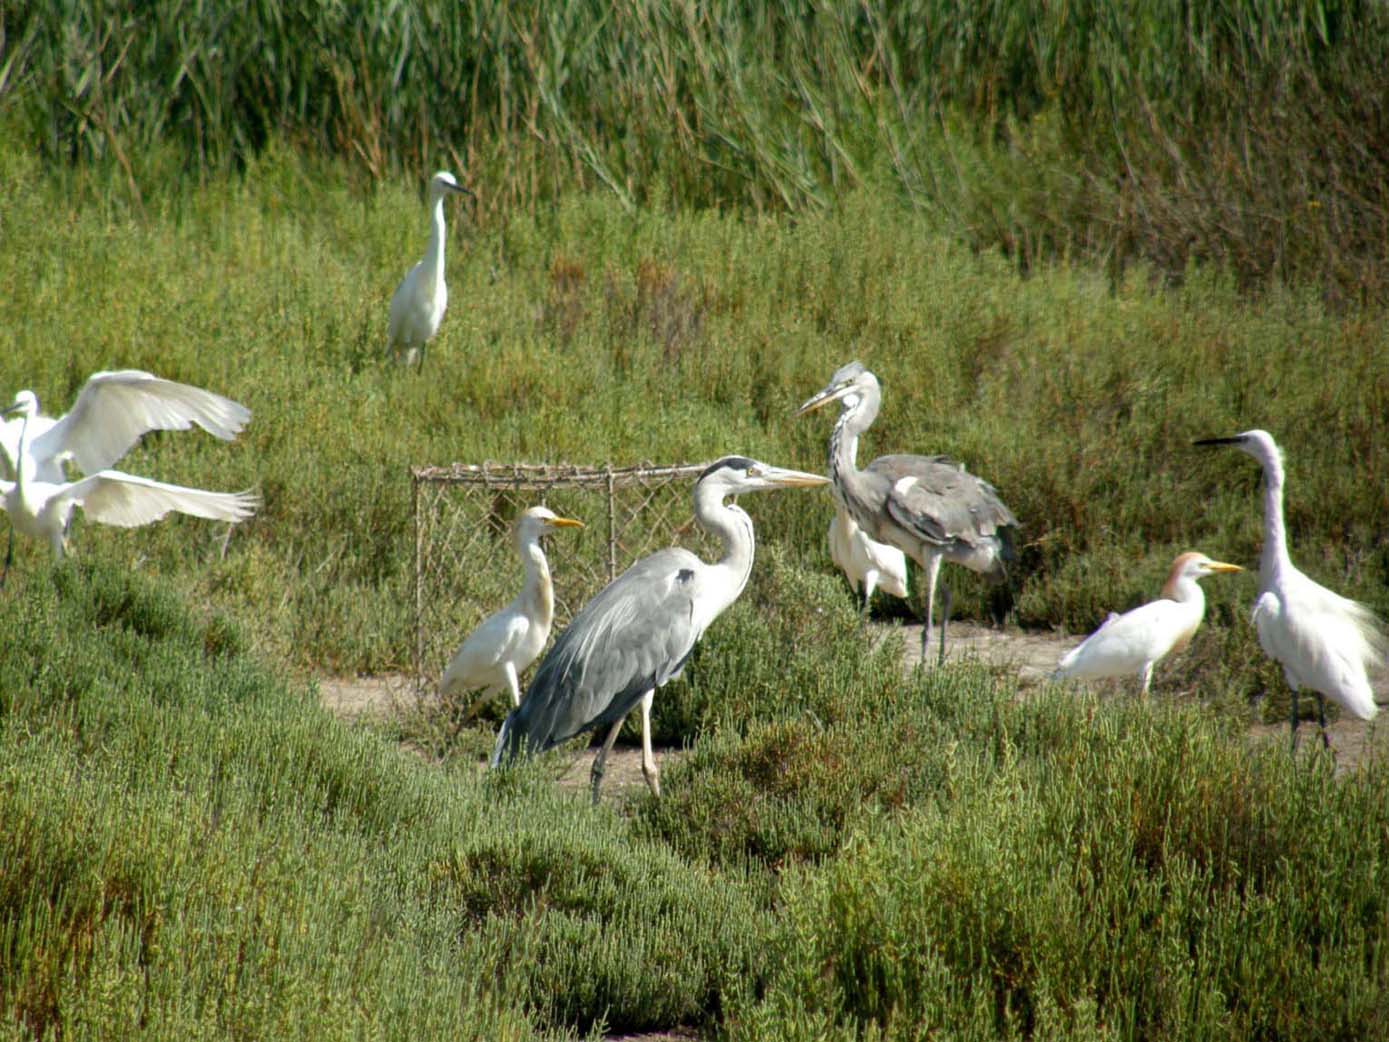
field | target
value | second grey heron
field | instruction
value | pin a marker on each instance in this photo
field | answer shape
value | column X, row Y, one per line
column 929, row 507
column 1325, row 642
column 636, row 633
column 1137, row 640
column 417, row 306
column 505, row 643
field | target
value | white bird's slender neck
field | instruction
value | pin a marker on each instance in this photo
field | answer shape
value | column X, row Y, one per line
column 434, row 253
column 732, row 526
column 23, row 464
column 538, row 593
column 1274, row 558
column 1184, row 589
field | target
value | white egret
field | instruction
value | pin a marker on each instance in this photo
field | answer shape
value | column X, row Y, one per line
column 1138, row 640
column 417, row 306
column 1325, row 643
column 866, row 563
column 41, row 509
column 636, row 633
column 929, row 507
column 505, row 643
column 112, row 411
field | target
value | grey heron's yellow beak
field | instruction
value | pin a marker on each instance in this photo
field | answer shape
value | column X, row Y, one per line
column 823, row 398
column 1221, row 566
column 564, row 522
column 779, row 477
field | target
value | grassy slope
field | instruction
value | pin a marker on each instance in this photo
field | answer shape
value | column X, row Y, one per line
column 198, row 849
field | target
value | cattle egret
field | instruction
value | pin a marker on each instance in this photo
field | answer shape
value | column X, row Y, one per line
column 1326, row 643
column 111, row 413
column 417, row 306
column 636, row 633
column 929, row 507
column 1138, row 640
column 500, row 649
column 41, row 509
column 866, row 563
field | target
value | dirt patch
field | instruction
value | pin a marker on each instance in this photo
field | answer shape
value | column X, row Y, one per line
column 354, row 697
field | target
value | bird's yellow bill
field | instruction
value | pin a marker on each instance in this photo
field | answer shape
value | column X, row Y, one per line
column 829, row 394
column 795, row 478
column 565, row 522
column 1221, row 566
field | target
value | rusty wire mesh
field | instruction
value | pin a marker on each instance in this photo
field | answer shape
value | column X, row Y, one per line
column 466, row 566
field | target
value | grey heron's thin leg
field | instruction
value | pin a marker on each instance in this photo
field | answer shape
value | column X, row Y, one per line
column 932, row 569
column 649, row 770
column 596, row 773
column 1293, row 718
column 946, row 602
column 9, row 557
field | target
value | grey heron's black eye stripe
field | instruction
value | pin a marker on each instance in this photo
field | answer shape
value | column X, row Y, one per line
column 732, row 462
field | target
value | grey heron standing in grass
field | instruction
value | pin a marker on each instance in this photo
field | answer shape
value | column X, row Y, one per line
column 866, row 563
column 1138, row 640
column 636, row 633
column 417, row 306
column 41, row 509
column 929, row 507
column 1325, row 643
column 504, row 644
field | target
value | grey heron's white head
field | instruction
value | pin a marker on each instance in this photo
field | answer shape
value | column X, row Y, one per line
column 851, row 385
column 25, row 404
column 734, row 475
column 1257, row 443
column 444, row 182
column 534, row 522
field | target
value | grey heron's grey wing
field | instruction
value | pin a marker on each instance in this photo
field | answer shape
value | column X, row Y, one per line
column 939, row 500
column 633, row 636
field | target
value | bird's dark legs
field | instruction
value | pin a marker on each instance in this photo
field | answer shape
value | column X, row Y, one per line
column 596, row 774
column 946, row 601
column 9, row 557
column 1293, row 719
column 1321, row 719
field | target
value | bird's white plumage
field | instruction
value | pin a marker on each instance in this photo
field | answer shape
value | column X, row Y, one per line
column 419, row 302
column 1134, row 642
column 112, row 411
column 1325, row 643
column 504, row 644
column 868, row 564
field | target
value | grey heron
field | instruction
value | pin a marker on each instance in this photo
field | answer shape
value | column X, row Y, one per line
column 1325, row 643
column 636, row 633
column 112, row 411
column 41, row 509
column 417, row 306
column 866, row 563
column 505, row 643
column 929, row 507
column 1137, row 640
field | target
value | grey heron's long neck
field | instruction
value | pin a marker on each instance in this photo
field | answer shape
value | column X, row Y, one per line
column 1273, row 559
column 843, row 453
column 733, row 528
column 538, row 593
column 434, row 252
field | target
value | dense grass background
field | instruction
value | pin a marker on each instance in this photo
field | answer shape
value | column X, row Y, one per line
column 1039, row 224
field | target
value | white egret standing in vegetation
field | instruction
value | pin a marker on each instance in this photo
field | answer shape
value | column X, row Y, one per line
column 1137, row 640
column 417, row 307
column 111, row 413
column 927, row 506
column 1325, row 643
column 504, row 644
column 41, row 509
column 636, row 633
column 866, row 563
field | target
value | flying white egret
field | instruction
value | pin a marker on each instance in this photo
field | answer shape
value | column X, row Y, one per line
column 1326, row 643
column 417, row 306
column 929, row 507
column 1138, row 640
column 636, row 633
column 113, row 410
column 866, row 563
column 494, row 654
column 41, row 509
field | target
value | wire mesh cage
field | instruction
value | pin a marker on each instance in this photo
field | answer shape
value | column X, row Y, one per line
column 466, row 566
